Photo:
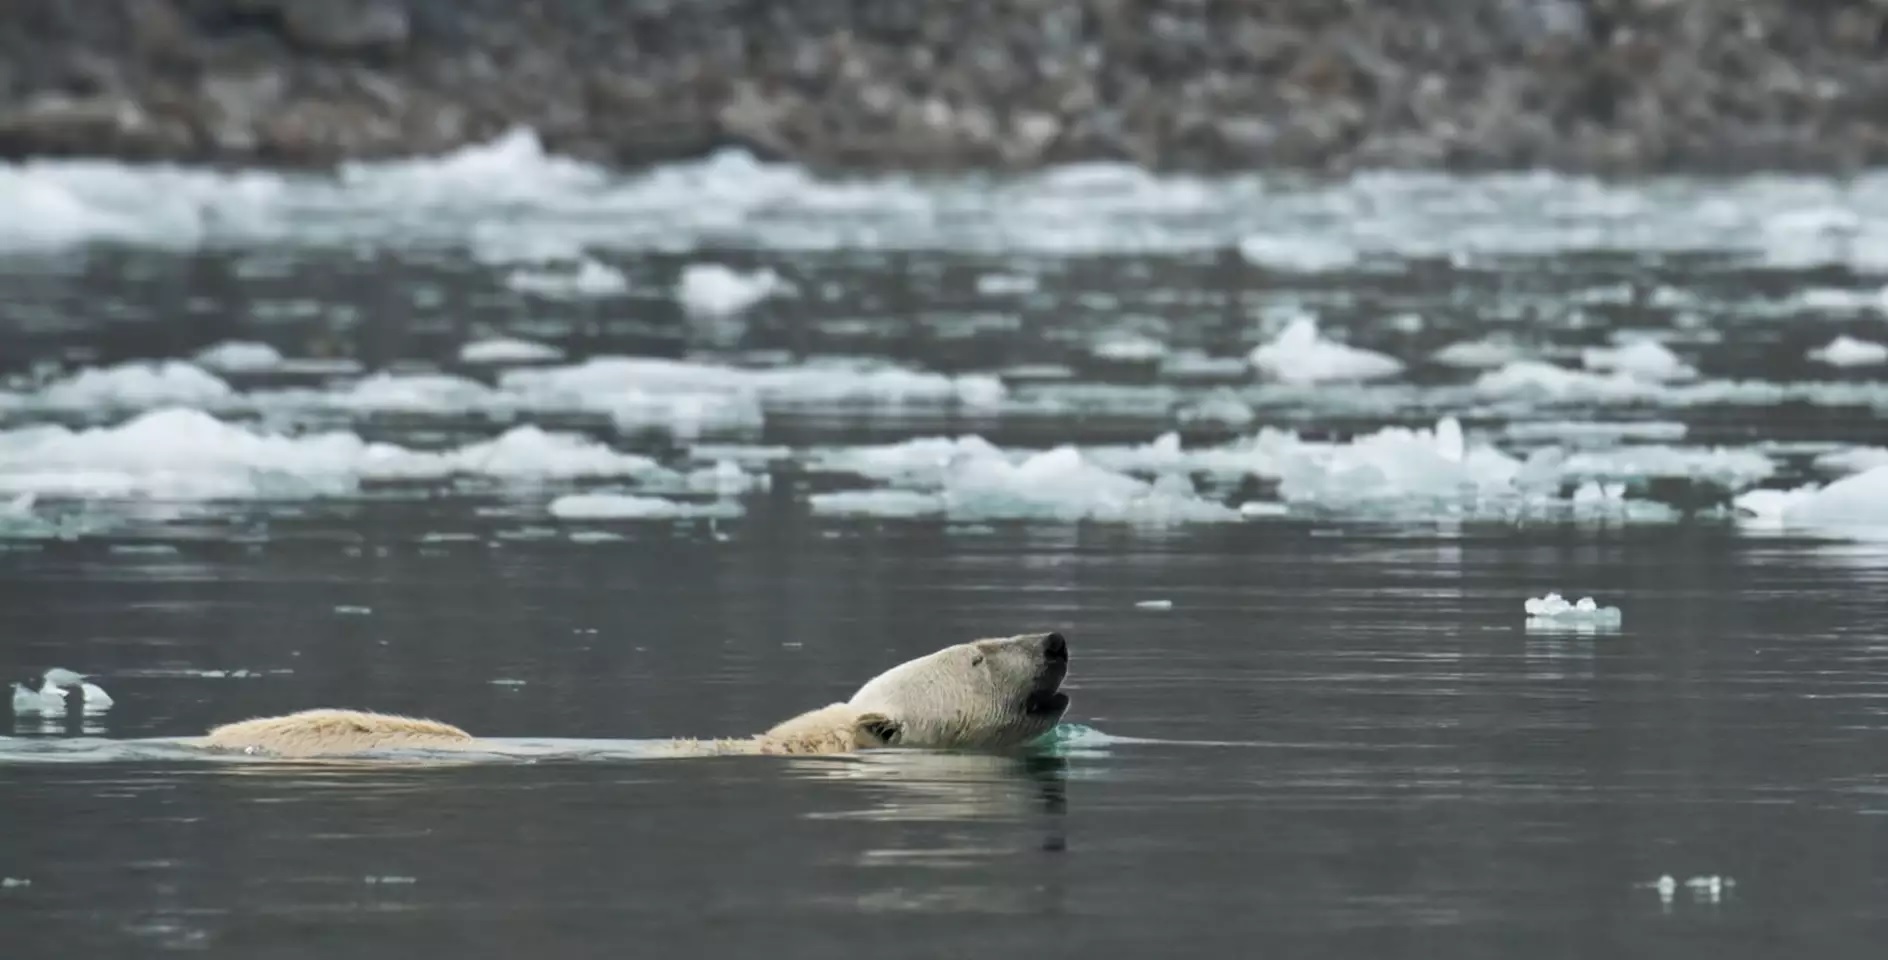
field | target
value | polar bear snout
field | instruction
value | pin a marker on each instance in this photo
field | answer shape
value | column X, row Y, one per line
column 1055, row 647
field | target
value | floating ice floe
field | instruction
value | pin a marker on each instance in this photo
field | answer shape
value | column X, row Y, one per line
column 1154, row 604
column 1299, row 355
column 1296, row 253
column 1647, row 360
column 1847, row 351
column 587, row 279
column 1484, row 354
column 1556, row 609
column 238, row 356
column 511, row 195
column 54, row 688
column 1005, row 284
column 622, row 506
column 714, row 290
column 1705, row 889
column 135, row 386
column 1855, row 505
column 1128, row 348
column 178, row 454
column 986, row 484
column 500, row 350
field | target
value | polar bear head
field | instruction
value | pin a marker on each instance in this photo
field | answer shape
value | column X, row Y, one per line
column 981, row 695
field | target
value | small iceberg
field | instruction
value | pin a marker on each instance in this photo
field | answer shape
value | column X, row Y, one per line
column 508, row 350
column 1847, row 351
column 53, row 694
column 1555, row 612
column 1299, row 355
column 1646, row 360
column 238, row 356
column 712, row 290
column 590, row 279
column 623, row 506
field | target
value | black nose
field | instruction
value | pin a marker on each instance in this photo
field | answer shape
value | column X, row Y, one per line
column 1054, row 647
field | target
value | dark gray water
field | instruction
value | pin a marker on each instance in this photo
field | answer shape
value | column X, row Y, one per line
column 1338, row 736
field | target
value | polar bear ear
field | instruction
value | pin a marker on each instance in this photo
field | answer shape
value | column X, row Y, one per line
column 884, row 728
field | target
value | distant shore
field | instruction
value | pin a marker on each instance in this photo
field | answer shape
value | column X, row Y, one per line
column 1599, row 86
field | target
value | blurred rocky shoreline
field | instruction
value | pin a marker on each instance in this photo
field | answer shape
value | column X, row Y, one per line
column 1607, row 86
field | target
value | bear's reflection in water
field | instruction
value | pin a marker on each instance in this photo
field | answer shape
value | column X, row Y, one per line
column 917, row 785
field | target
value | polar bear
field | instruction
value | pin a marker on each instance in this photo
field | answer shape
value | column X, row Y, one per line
column 985, row 694
column 982, row 695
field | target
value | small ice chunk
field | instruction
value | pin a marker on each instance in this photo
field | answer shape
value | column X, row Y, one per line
column 1555, row 607
column 1537, row 379
column 20, row 506
column 1847, row 351
column 49, row 700
column 713, row 290
column 877, row 503
column 590, row 279
column 508, row 350
column 1154, row 604
column 1855, row 502
column 9, row 883
column 1484, row 354
column 1128, row 348
column 1302, row 253
column 238, row 356
column 1646, row 360
column 1298, row 355
column 1264, row 508
column 623, row 506
column 1005, row 284
column 137, row 385
column 353, row 611
column 1666, row 887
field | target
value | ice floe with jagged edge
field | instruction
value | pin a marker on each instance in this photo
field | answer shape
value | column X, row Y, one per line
column 52, row 694
column 1554, row 613
column 1400, row 468
column 585, row 279
column 510, row 196
column 183, row 454
column 1854, row 506
column 689, row 397
column 1391, row 472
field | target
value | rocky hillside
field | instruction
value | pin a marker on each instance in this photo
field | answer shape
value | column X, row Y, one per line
column 1598, row 85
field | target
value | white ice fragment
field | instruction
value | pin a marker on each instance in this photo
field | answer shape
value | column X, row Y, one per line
column 347, row 610
column 1264, row 508
column 1302, row 253
column 1128, row 348
column 1537, row 380
column 9, row 883
column 1005, row 284
column 1646, row 360
column 714, row 290
column 1299, row 355
column 1484, row 354
column 590, row 279
column 877, row 503
column 135, row 386
column 508, row 350
column 1586, row 610
column 46, row 701
column 238, row 356
column 1847, row 351
column 622, row 506
column 19, row 506
column 1154, row 604
column 1856, row 503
